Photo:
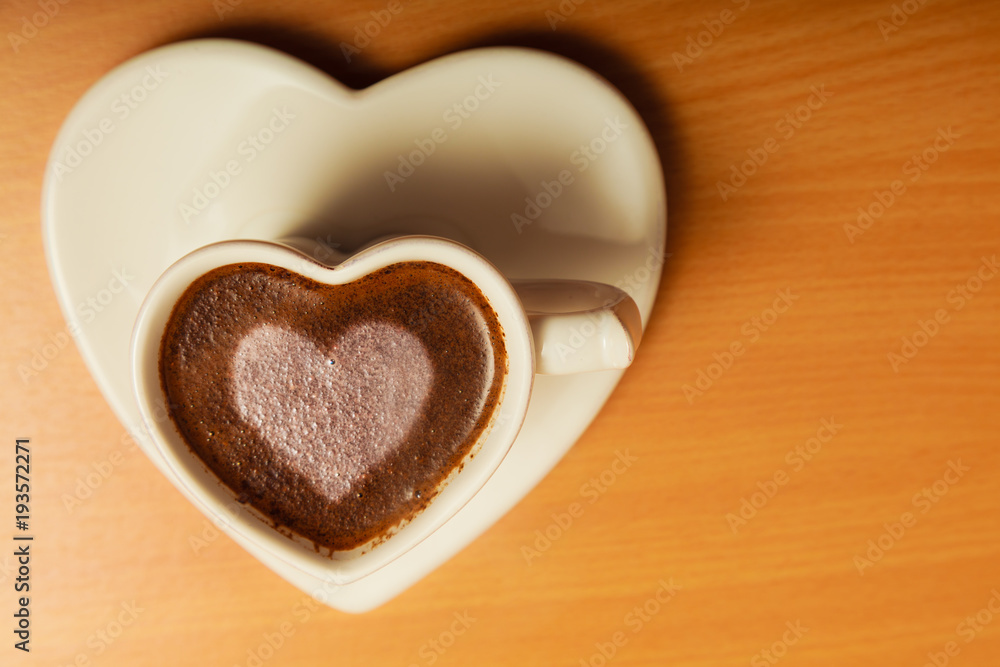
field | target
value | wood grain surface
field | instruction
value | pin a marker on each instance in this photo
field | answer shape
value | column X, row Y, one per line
column 827, row 496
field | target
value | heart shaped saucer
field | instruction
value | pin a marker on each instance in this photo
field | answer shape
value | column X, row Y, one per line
column 527, row 158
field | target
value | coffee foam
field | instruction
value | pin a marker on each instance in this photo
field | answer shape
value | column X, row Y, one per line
column 332, row 415
column 240, row 335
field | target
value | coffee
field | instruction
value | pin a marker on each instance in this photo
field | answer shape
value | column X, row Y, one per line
column 335, row 410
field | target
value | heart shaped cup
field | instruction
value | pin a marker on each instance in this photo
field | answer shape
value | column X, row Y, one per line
column 552, row 327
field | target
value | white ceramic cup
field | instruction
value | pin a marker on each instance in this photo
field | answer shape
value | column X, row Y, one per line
column 548, row 326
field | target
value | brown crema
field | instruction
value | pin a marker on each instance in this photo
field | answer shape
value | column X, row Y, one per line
column 335, row 410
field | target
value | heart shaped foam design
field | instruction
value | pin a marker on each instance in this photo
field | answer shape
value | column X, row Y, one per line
column 332, row 415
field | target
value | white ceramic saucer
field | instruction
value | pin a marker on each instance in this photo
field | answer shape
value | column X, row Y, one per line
column 209, row 140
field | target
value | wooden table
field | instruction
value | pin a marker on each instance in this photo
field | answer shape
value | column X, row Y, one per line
column 811, row 412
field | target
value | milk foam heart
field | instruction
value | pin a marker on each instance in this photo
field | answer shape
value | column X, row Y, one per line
column 331, row 415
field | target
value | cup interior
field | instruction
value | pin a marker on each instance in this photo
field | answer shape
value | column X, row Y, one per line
column 219, row 502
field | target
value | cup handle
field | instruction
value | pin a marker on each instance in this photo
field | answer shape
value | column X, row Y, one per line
column 580, row 326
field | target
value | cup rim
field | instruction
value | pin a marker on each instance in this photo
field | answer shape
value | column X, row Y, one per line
column 218, row 502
